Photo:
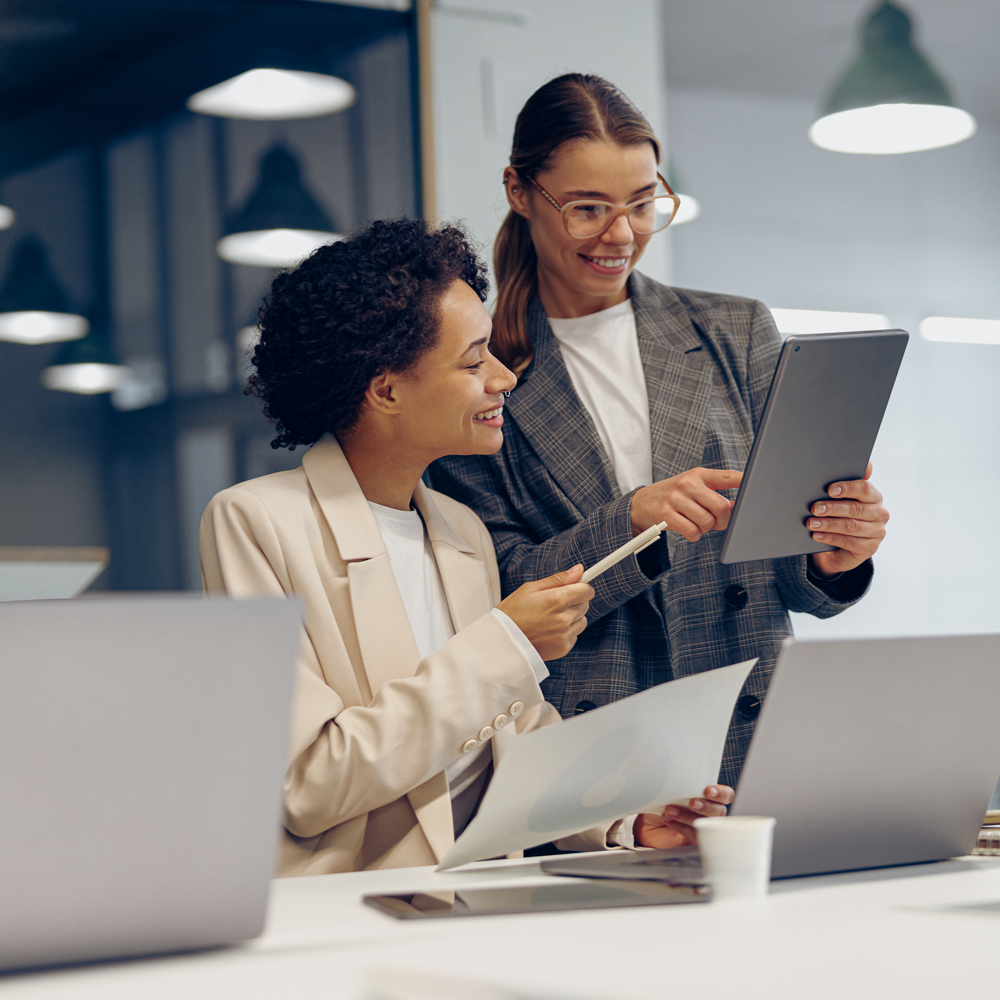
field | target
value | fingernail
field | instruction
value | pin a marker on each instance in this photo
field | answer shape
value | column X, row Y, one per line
column 819, row 536
column 673, row 811
column 713, row 791
column 697, row 804
column 835, row 491
column 820, row 508
column 813, row 523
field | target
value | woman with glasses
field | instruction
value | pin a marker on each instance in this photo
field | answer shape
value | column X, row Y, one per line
column 636, row 403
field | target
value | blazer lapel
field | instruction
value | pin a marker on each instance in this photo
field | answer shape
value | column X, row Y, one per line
column 678, row 378
column 383, row 630
column 558, row 427
column 463, row 574
column 466, row 586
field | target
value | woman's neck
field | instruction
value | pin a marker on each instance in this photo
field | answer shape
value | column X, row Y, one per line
column 386, row 473
column 560, row 301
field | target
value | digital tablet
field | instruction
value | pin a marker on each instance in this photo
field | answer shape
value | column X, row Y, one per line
column 557, row 895
column 822, row 415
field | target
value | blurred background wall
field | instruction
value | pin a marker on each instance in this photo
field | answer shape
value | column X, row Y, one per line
column 129, row 192
column 907, row 236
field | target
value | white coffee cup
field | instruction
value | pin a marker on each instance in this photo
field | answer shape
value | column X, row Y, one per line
column 736, row 854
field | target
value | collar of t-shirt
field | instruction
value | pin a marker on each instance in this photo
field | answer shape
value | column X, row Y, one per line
column 601, row 353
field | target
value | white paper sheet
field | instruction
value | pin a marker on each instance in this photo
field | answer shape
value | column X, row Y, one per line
column 639, row 754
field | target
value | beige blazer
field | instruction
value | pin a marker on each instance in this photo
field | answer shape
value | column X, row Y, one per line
column 373, row 726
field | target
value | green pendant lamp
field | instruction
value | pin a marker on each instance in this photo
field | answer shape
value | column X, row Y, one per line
column 281, row 223
column 34, row 308
column 87, row 366
column 890, row 100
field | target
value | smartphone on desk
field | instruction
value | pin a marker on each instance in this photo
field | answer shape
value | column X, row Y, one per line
column 562, row 894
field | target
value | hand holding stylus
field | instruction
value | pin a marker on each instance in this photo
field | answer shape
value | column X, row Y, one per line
column 551, row 612
column 689, row 502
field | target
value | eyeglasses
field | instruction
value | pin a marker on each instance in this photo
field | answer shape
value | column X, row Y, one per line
column 586, row 219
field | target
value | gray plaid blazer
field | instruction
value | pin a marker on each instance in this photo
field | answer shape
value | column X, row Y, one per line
column 550, row 500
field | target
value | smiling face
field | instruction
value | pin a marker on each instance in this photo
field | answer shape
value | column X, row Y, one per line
column 451, row 402
column 578, row 277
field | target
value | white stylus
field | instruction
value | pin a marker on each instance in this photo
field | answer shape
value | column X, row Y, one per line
column 637, row 544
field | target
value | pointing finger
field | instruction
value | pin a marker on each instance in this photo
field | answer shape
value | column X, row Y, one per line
column 722, row 479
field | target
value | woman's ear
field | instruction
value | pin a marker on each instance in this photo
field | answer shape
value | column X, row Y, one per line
column 517, row 196
column 381, row 394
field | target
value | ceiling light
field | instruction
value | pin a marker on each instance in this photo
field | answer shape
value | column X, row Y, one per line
column 961, row 331
column 890, row 100
column 269, row 94
column 33, row 326
column 791, row 321
column 272, row 247
column 247, row 338
column 690, row 207
column 281, row 223
column 86, row 366
column 87, row 379
column 7, row 217
column 34, row 309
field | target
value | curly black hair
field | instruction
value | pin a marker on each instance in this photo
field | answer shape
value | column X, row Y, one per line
column 348, row 313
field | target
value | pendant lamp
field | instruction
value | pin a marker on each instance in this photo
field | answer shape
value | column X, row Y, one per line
column 274, row 94
column 281, row 223
column 34, row 308
column 87, row 366
column 890, row 100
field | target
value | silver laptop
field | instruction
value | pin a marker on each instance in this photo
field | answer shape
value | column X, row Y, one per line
column 869, row 753
column 143, row 742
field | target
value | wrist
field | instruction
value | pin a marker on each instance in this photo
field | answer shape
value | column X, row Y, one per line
column 636, row 517
column 816, row 569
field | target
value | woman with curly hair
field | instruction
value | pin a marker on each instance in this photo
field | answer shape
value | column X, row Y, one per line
column 413, row 675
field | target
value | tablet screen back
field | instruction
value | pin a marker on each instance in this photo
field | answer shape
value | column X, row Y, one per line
column 820, row 421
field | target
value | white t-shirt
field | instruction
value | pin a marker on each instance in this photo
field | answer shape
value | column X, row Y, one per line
column 601, row 352
column 411, row 557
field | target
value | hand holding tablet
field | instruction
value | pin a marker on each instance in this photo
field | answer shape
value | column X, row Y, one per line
column 854, row 521
column 819, row 425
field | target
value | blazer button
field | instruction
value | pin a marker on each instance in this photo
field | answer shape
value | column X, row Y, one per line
column 469, row 745
column 735, row 596
column 517, row 708
column 748, row 706
column 486, row 732
column 584, row 706
column 500, row 721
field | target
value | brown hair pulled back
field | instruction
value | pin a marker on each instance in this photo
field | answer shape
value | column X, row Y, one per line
column 570, row 107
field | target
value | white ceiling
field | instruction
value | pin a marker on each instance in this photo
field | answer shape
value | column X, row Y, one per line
column 798, row 48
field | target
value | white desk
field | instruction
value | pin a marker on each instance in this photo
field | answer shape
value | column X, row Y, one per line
column 875, row 934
